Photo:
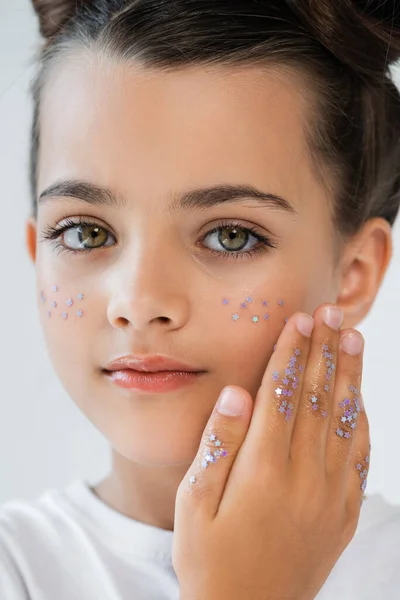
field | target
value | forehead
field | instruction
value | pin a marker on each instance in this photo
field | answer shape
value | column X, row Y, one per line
column 149, row 131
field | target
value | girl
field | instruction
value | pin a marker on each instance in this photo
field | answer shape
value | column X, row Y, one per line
column 214, row 186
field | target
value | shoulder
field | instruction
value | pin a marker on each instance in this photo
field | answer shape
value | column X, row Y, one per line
column 369, row 567
column 32, row 534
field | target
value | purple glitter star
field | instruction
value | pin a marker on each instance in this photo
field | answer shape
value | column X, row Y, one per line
column 225, row 301
column 265, row 303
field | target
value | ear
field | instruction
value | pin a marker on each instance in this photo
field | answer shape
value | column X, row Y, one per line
column 363, row 267
column 55, row 14
column 30, row 238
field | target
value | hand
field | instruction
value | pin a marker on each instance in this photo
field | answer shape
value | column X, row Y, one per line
column 271, row 513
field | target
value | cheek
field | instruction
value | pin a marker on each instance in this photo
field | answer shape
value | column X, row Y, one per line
column 66, row 316
column 251, row 324
column 66, row 304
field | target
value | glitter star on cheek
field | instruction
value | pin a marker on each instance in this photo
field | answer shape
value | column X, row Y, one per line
column 278, row 391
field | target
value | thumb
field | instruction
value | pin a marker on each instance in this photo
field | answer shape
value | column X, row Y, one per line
column 223, row 436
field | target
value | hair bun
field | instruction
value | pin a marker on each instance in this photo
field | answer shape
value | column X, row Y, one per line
column 363, row 34
column 55, row 14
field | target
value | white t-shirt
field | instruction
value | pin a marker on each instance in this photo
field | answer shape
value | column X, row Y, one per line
column 69, row 545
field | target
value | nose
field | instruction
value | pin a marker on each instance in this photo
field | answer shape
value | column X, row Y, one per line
column 147, row 294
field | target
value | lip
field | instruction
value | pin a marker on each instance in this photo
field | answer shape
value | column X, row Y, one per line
column 151, row 373
column 150, row 363
column 153, row 383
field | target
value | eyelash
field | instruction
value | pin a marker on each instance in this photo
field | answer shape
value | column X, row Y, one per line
column 53, row 234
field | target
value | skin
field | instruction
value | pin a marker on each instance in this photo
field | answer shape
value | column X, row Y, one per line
column 148, row 135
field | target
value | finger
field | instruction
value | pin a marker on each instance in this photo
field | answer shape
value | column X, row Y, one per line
column 314, row 414
column 204, row 483
column 279, row 394
column 359, row 462
column 346, row 405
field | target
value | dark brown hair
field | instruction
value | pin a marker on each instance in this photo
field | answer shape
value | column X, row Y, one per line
column 344, row 48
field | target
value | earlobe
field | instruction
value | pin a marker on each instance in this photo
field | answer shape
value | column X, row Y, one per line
column 364, row 266
column 30, row 238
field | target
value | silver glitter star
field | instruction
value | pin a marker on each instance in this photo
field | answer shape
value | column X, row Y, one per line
column 255, row 319
column 64, row 315
column 192, row 479
column 249, row 299
column 213, row 437
column 235, row 317
column 314, row 399
column 217, row 443
column 69, row 302
column 278, row 391
column 55, row 288
column 79, row 313
column 80, row 296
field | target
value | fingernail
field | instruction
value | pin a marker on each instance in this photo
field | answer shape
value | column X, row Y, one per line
column 231, row 402
column 352, row 343
column 305, row 324
column 333, row 316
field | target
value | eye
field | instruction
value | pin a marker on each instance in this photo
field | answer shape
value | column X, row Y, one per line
column 79, row 236
column 236, row 239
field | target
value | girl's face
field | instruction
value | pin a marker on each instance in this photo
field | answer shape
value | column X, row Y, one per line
column 158, row 279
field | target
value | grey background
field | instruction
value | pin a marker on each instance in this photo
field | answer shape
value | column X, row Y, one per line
column 44, row 440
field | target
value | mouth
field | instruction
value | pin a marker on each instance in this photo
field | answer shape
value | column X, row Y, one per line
column 152, row 382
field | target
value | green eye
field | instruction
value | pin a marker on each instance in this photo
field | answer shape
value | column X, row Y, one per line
column 87, row 237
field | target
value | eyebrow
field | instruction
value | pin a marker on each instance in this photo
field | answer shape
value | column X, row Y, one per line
column 200, row 198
